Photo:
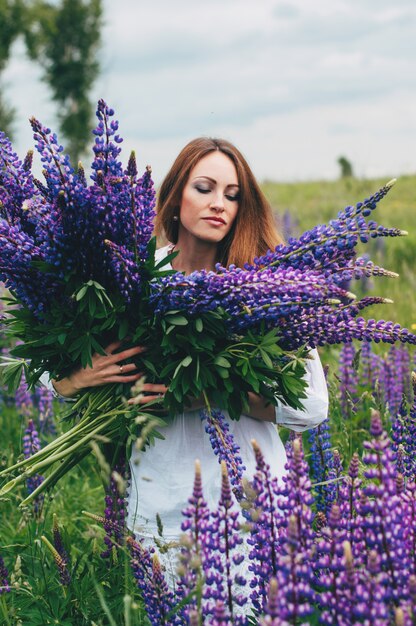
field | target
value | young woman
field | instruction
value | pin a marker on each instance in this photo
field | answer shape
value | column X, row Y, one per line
column 210, row 209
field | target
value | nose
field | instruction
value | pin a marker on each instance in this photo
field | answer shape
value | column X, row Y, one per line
column 217, row 203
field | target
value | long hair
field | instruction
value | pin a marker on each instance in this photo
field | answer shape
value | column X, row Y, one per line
column 253, row 231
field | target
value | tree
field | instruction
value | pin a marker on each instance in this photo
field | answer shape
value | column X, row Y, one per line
column 65, row 38
column 346, row 167
column 11, row 24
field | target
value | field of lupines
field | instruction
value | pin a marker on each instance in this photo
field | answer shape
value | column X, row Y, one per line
column 334, row 544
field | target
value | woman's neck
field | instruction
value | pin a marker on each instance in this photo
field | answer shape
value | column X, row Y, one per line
column 195, row 255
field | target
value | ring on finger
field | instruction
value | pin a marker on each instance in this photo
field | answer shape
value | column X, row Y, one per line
column 120, row 367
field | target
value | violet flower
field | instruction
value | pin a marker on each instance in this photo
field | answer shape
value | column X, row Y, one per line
column 4, row 578
column 158, row 598
column 264, row 524
column 31, row 444
column 224, row 447
column 322, row 466
column 61, row 563
column 404, row 436
column 115, row 512
column 223, row 556
column 348, row 380
column 381, row 512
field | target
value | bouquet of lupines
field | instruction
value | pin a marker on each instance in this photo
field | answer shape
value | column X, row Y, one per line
column 79, row 263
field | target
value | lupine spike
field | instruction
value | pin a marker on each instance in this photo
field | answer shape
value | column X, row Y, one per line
column 60, row 562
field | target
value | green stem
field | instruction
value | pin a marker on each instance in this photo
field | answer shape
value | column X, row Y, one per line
column 4, row 610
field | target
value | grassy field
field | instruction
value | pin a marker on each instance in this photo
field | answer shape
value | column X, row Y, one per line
column 311, row 203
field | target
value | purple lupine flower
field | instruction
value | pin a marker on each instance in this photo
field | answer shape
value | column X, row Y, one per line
column 61, row 563
column 322, row 465
column 224, row 556
column 371, row 602
column 16, row 182
column 404, row 436
column 272, row 610
column 224, row 447
column 23, row 399
column 193, row 544
column 409, row 519
column 328, row 563
column 4, row 578
column 145, row 202
column 298, row 302
column 398, row 360
column 115, row 511
column 159, row 600
column 265, row 527
column 294, row 576
column 44, row 398
column 325, row 244
column 59, row 546
column 296, row 495
column 71, row 223
column 348, row 376
column 348, row 496
column 288, row 225
column 366, row 370
column 58, row 541
column 381, row 512
column 31, row 445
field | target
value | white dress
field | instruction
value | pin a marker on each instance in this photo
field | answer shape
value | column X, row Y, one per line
column 162, row 475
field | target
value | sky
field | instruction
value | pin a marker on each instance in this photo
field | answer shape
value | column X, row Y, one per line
column 293, row 83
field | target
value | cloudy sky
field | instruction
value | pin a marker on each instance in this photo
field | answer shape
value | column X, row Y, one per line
column 293, row 83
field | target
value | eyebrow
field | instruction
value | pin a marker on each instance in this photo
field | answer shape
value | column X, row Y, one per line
column 214, row 181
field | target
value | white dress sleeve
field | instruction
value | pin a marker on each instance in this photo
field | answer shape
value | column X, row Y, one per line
column 315, row 404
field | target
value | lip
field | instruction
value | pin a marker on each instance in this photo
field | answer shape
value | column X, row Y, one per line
column 215, row 220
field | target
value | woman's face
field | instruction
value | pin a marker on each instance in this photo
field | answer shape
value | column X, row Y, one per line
column 210, row 199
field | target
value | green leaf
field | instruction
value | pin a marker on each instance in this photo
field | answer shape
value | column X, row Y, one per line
column 177, row 320
column 184, row 363
column 222, row 362
column 123, row 329
column 266, row 358
column 199, row 325
column 81, row 293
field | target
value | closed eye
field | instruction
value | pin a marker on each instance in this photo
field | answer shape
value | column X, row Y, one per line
column 235, row 198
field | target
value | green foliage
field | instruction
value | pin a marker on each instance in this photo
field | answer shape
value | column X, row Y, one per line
column 199, row 360
column 11, row 25
column 68, row 337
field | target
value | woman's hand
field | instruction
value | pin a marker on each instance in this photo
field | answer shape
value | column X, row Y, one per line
column 108, row 368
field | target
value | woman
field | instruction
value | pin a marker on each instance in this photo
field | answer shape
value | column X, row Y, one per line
column 210, row 209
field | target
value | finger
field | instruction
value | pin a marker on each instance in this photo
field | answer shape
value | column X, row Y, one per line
column 155, row 388
column 127, row 354
column 124, row 369
column 141, row 399
column 112, row 346
column 122, row 379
